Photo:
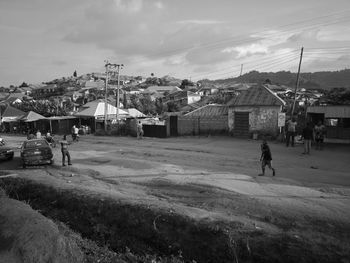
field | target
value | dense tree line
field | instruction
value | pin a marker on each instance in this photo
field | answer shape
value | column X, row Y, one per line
column 47, row 108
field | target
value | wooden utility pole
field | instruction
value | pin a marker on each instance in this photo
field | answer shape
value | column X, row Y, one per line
column 119, row 67
column 297, row 82
column 109, row 68
column 240, row 74
column 106, row 95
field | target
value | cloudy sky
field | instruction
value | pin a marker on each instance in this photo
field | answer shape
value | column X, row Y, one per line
column 195, row 39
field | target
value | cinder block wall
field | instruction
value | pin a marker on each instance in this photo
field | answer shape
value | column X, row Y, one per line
column 202, row 125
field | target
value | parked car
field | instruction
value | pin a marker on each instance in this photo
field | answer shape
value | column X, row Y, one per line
column 36, row 151
column 6, row 152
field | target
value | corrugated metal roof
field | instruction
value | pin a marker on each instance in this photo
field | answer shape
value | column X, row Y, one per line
column 12, row 112
column 209, row 110
column 32, row 116
column 339, row 111
column 258, row 95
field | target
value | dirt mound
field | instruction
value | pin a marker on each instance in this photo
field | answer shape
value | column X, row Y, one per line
column 28, row 236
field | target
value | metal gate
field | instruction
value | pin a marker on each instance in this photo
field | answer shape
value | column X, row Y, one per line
column 241, row 124
column 173, row 126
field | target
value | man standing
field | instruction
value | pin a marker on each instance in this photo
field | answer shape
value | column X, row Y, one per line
column 64, row 150
column 291, row 131
column 308, row 135
column 38, row 134
column 319, row 135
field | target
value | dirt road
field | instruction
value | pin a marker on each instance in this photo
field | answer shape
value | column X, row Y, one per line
column 213, row 178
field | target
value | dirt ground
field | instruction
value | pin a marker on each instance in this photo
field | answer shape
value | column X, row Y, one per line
column 214, row 179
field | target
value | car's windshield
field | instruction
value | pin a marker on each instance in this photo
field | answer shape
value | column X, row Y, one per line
column 32, row 144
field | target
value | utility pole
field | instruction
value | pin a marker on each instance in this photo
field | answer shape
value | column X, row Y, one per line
column 109, row 67
column 240, row 74
column 106, row 95
column 119, row 67
column 297, row 82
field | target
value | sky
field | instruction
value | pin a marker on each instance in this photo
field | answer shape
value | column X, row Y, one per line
column 188, row 39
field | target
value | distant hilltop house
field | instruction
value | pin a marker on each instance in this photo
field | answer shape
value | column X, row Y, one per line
column 255, row 110
column 208, row 90
column 98, row 84
column 47, row 91
column 161, row 89
column 182, row 97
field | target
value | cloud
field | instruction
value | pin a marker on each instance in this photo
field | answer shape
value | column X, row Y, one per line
column 129, row 6
column 59, row 62
column 247, row 50
column 200, row 22
column 134, row 36
column 159, row 5
column 339, row 33
column 303, row 35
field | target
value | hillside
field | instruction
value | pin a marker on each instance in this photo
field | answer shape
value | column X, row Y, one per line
column 317, row 80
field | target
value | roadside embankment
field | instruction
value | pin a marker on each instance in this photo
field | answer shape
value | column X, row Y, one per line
column 28, row 236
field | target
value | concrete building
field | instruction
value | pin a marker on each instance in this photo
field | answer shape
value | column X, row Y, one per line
column 255, row 111
column 336, row 118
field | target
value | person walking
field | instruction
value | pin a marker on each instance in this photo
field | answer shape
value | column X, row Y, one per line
column 319, row 131
column 266, row 158
column 64, row 150
column 74, row 132
column 38, row 134
column 291, row 131
column 308, row 135
column 139, row 130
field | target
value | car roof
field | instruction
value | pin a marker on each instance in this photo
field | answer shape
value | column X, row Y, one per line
column 35, row 140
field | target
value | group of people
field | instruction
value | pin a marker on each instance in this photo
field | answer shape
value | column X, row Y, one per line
column 309, row 134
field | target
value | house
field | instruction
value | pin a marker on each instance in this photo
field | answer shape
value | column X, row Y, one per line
column 93, row 114
column 98, row 84
column 161, row 89
column 13, row 98
column 207, row 90
column 336, row 118
column 255, row 110
column 47, row 91
column 183, row 97
column 9, row 119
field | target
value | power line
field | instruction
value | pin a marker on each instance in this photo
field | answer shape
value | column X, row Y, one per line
column 269, row 62
column 263, row 61
column 238, row 40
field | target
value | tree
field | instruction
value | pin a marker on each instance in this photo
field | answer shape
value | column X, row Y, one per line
column 185, row 83
column 148, row 106
column 75, row 73
column 172, row 106
column 338, row 96
column 160, row 106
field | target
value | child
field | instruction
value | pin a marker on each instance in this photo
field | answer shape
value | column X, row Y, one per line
column 266, row 158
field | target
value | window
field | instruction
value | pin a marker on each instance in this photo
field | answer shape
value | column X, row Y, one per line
column 331, row 122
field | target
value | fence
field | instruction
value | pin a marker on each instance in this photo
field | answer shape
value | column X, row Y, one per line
column 202, row 125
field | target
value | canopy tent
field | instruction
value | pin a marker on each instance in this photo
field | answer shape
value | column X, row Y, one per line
column 134, row 113
column 32, row 116
column 97, row 109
